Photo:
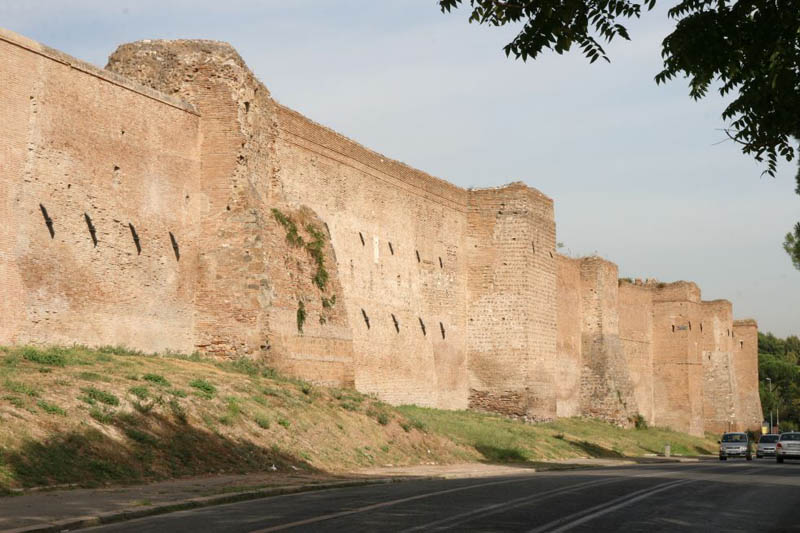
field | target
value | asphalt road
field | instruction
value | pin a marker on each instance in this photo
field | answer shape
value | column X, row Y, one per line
column 708, row 496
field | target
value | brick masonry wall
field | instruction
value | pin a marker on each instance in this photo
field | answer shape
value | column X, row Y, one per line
column 745, row 354
column 606, row 388
column 253, row 284
column 102, row 154
column 399, row 240
column 677, row 368
column 568, row 337
column 719, row 386
column 433, row 294
column 636, row 337
column 511, row 301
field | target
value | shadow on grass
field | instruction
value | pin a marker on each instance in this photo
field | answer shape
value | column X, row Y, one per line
column 146, row 448
column 494, row 454
column 593, row 450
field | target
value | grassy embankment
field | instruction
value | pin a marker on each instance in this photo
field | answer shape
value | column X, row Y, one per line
column 75, row 415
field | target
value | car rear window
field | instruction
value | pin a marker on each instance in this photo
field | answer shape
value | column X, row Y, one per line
column 790, row 436
column 768, row 438
column 734, row 437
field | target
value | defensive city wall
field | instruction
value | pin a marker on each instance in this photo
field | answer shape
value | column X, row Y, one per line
column 169, row 203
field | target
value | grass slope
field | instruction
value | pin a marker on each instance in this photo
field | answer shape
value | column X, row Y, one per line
column 112, row 415
column 500, row 439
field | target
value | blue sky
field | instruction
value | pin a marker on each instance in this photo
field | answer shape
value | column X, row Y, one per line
column 634, row 168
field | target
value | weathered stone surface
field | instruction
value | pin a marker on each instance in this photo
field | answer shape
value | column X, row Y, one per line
column 169, row 202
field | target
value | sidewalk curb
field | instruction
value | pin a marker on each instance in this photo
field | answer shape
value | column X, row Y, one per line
column 110, row 517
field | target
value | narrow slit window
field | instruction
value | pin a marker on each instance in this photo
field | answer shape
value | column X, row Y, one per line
column 422, row 325
column 48, row 221
column 673, row 328
column 366, row 318
column 533, row 247
column 418, row 259
column 701, row 327
column 551, row 254
column 396, row 323
column 741, row 344
column 441, row 328
column 690, row 325
column 441, row 265
column 391, row 249
column 135, row 239
column 361, row 236
column 92, row 230
column 175, row 247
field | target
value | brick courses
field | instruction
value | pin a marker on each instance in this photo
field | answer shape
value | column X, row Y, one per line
column 434, row 294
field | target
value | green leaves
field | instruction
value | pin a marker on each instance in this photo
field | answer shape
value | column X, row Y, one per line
column 555, row 24
column 749, row 49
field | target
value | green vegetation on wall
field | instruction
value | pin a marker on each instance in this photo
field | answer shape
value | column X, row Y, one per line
column 315, row 247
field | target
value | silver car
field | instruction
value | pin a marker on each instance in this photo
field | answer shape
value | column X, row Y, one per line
column 788, row 446
column 766, row 445
column 735, row 445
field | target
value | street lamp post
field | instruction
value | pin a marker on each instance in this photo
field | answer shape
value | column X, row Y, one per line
column 770, row 404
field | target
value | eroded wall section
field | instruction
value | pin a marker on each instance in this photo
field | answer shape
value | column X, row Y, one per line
column 719, row 378
column 511, row 301
column 568, row 337
column 636, row 337
column 268, row 280
column 745, row 355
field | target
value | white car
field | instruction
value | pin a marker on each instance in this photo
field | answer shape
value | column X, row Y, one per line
column 766, row 445
column 788, row 446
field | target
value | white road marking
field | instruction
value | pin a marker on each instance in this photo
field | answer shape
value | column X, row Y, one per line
column 489, row 510
column 581, row 517
column 455, row 520
column 384, row 504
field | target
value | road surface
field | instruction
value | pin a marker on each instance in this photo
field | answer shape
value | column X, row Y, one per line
column 707, row 496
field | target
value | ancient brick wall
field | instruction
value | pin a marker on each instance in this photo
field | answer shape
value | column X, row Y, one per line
column 399, row 240
column 109, row 166
column 511, row 301
column 258, row 290
column 636, row 337
column 745, row 355
column 606, row 389
column 677, row 369
column 719, row 379
column 568, row 337
column 169, row 203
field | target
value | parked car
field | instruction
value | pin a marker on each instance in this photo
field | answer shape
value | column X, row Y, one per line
column 788, row 446
column 735, row 445
column 766, row 445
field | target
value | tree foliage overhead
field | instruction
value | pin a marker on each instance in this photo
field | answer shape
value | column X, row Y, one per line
column 748, row 50
column 555, row 24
